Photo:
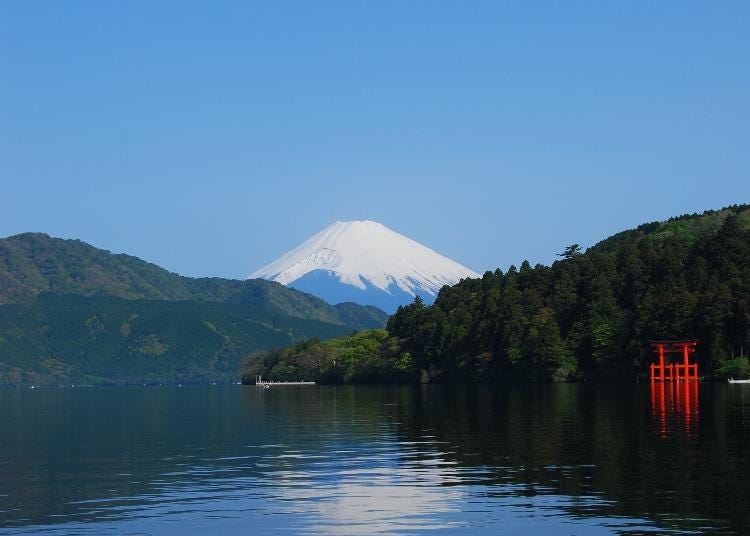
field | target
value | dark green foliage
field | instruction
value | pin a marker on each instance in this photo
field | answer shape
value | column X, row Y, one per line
column 591, row 315
column 737, row 367
column 571, row 251
column 72, row 313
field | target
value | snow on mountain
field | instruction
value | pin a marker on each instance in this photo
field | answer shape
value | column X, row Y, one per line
column 365, row 262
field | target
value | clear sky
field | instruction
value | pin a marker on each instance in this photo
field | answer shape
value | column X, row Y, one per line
column 210, row 137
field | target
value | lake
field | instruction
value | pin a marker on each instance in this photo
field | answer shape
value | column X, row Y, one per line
column 507, row 459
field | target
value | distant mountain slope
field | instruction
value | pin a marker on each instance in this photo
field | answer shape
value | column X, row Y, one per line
column 64, row 339
column 70, row 312
column 361, row 316
column 32, row 263
column 366, row 263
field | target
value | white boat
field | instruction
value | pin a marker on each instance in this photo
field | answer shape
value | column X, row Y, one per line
column 732, row 380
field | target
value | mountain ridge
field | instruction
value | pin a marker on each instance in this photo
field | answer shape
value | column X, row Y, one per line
column 33, row 263
column 73, row 313
column 367, row 263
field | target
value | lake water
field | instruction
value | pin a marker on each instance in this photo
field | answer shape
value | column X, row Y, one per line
column 519, row 459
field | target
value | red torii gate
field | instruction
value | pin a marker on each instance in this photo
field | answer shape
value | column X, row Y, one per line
column 674, row 371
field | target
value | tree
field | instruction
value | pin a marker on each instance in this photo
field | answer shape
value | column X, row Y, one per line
column 573, row 250
column 546, row 357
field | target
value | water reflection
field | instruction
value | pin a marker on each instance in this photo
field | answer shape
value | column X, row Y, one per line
column 511, row 459
column 675, row 399
column 379, row 499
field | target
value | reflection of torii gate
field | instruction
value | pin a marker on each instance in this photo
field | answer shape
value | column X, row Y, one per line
column 674, row 371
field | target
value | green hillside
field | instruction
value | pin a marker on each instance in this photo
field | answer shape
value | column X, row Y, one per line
column 588, row 316
column 361, row 316
column 32, row 263
column 72, row 313
column 63, row 339
column 686, row 229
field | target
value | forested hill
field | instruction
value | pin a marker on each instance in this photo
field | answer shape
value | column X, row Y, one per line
column 591, row 315
column 588, row 316
column 72, row 313
column 33, row 263
column 685, row 230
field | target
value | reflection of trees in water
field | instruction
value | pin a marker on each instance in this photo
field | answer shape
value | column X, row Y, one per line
column 122, row 445
column 584, row 440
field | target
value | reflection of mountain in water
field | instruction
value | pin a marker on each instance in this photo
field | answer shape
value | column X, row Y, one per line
column 343, row 459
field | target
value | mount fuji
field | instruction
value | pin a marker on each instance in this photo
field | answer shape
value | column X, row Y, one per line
column 366, row 263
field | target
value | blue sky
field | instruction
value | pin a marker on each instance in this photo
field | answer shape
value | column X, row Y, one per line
column 210, row 137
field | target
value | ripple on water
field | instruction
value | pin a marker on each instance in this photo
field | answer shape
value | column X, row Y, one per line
column 337, row 463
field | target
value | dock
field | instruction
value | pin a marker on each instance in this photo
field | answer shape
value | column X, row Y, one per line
column 260, row 382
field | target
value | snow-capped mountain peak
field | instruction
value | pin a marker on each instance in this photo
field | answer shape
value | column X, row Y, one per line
column 367, row 256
